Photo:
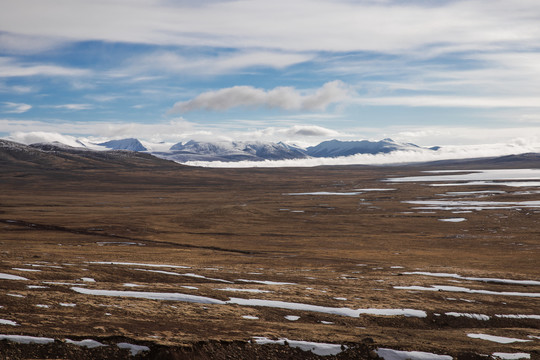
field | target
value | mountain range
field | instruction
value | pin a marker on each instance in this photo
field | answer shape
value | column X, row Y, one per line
column 259, row 151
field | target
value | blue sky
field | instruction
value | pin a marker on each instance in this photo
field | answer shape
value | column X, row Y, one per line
column 428, row 72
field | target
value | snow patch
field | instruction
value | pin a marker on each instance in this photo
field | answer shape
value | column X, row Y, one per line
column 390, row 354
column 27, row 270
column 465, row 290
column 515, row 316
column 245, row 290
column 11, row 277
column 8, row 322
column 469, row 315
column 497, row 339
column 511, row 356
column 133, row 349
column 488, row 280
column 321, row 349
column 139, row 264
column 23, row 339
column 88, row 343
column 266, row 282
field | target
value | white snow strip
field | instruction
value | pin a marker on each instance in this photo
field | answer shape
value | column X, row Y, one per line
column 375, row 189
column 454, row 220
column 16, row 295
column 88, row 343
column 327, row 310
column 149, row 295
column 8, row 322
column 488, row 280
column 42, row 306
column 324, row 193
column 61, row 283
column 469, row 315
column 321, row 349
column 11, row 277
column 88, row 279
column 472, row 205
column 27, row 270
column 67, row 304
column 139, row 264
column 131, row 285
column 266, row 282
column 36, row 287
column 134, row 349
column 23, row 339
column 186, row 274
column 253, row 302
column 512, row 316
column 250, row 317
column 120, row 243
column 475, row 175
column 190, row 287
column 245, row 290
column 511, row 356
column 465, row 290
column 482, row 192
column 41, row 265
column 492, row 183
column 497, row 339
column 292, row 317
column 390, row 354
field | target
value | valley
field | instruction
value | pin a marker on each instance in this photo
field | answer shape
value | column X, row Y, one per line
column 122, row 255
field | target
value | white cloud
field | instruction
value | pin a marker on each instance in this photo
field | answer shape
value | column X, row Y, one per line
column 452, row 101
column 397, row 157
column 16, row 108
column 286, row 98
column 9, row 67
column 73, row 106
column 34, row 137
column 303, row 25
column 174, row 130
column 171, row 62
column 310, row 130
column 26, row 44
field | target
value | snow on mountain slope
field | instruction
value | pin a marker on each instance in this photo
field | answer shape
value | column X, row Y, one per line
column 334, row 148
column 232, row 151
column 124, row 144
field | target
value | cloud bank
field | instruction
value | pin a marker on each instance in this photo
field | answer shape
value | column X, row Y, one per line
column 396, row 157
column 284, row 98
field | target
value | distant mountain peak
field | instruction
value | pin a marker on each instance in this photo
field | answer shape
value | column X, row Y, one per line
column 124, row 144
column 335, row 148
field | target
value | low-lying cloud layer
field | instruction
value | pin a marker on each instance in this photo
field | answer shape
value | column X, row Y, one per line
column 396, row 157
column 283, row 97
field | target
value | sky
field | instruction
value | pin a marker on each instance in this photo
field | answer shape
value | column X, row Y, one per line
column 437, row 72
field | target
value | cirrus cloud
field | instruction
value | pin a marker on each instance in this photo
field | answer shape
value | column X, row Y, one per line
column 283, row 97
column 16, row 108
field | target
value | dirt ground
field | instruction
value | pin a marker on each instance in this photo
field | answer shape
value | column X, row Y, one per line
column 225, row 234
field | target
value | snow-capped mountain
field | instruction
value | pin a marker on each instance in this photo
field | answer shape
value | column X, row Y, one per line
column 335, row 148
column 124, row 144
column 232, row 151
